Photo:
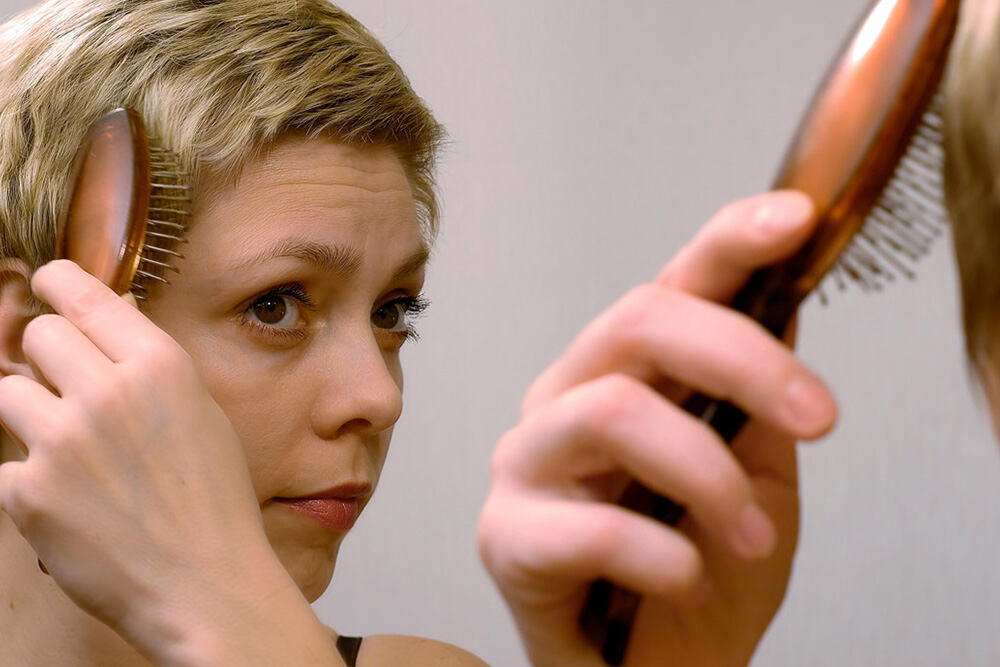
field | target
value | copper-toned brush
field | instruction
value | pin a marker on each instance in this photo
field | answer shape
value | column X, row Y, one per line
column 128, row 201
column 869, row 153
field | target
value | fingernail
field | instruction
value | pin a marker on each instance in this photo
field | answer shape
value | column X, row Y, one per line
column 783, row 212
column 807, row 403
column 756, row 534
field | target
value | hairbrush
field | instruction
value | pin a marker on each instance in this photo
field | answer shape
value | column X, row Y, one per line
column 127, row 204
column 118, row 183
column 869, row 152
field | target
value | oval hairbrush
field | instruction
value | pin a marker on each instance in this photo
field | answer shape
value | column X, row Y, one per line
column 869, row 153
column 126, row 206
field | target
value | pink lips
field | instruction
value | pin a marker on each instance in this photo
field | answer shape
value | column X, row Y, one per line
column 335, row 509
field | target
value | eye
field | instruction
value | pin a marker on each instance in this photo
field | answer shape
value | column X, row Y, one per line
column 397, row 316
column 278, row 313
column 275, row 310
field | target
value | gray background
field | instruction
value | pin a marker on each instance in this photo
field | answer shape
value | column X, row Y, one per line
column 589, row 140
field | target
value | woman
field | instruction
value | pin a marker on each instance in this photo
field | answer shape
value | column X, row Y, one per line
column 186, row 474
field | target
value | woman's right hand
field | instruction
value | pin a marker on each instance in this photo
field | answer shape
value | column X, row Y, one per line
column 608, row 411
column 135, row 493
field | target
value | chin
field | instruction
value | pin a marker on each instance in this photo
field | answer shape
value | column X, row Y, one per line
column 306, row 550
column 311, row 568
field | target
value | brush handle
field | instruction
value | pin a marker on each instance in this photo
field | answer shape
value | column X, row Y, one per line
column 610, row 610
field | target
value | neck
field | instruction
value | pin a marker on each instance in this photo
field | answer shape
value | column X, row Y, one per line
column 39, row 624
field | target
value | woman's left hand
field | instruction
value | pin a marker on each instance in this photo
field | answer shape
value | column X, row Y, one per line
column 135, row 492
column 610, row 410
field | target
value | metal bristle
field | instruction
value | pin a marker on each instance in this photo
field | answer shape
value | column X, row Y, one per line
column 151, row 276
column 909, row 215
column 169, row 211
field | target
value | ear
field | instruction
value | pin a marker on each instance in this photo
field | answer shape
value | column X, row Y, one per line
column 15, row 313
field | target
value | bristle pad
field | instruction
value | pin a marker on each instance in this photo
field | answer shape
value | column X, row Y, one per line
column 169, row 211
column 908, row 216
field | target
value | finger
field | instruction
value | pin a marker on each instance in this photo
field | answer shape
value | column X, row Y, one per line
column 27, row 410
column 116, row 328
column 617, row 423
column 584, row 541
column 742, row 237
column 62, row 354
column 656, row 333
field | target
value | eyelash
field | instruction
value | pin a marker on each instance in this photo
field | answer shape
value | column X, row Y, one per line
column 413, row 308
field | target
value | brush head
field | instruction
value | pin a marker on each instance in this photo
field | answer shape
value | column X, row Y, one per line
column 128, row 204
column 104, row 223
column 868, row 152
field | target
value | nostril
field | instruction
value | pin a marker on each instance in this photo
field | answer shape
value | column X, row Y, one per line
column 356, row 426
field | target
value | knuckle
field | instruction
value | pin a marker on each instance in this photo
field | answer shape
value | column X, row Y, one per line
column 686, row 569
column 105, row 396
column 736, row 212
column 488, row 527
column 604, row 534
column 532, row 398
column 42, row 328
column 50, row 434
column 718, row 478
column 505, row 455
column 23, row 503
column 157, row 356
column 612, row 399
column 86, row 303
column 636, row 304
column 634, row 321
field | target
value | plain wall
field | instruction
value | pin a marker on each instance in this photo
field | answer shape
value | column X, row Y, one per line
column 589, row 140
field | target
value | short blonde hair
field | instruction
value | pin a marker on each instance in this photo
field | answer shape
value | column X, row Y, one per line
column 216, row 81
column 972, row 173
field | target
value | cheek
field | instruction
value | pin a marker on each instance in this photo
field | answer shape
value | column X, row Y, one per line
column 265, row 405
column 267, row 414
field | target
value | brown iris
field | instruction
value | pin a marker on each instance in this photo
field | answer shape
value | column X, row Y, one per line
column 387, row 316
column 270, row 309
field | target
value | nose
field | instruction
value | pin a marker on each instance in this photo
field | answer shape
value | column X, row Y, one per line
column 360, row 389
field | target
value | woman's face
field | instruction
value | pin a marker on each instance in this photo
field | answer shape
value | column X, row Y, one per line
column 297, row 291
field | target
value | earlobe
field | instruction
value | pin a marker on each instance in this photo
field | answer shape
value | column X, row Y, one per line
column 15, row 313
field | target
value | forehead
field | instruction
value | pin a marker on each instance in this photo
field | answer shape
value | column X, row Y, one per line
column 307, row 188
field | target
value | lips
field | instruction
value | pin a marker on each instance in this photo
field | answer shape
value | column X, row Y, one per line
column 335, row 509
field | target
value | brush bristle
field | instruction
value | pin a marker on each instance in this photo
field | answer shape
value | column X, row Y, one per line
column 908, row 216
column 169, row 210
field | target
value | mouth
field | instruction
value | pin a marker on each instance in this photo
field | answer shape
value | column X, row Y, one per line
column 335, row 509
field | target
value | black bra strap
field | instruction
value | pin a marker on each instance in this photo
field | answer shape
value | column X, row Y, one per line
column 349, row 647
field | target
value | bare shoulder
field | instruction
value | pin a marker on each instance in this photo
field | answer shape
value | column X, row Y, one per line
column 402, row 650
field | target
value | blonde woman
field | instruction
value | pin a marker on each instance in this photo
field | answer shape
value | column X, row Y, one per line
column 187, row 471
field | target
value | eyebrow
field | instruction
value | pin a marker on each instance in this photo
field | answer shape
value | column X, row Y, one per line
column 344, row 262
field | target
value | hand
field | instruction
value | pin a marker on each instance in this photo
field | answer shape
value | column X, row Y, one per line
column 607, row 412
column 135, row 492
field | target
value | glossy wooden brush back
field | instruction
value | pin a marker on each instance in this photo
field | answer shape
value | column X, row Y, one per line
column 104, row 223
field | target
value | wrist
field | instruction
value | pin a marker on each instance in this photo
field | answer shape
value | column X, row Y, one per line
column 250, row 614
